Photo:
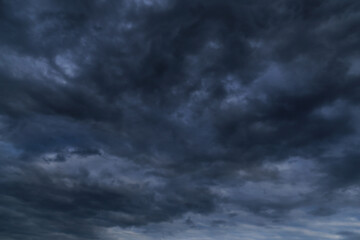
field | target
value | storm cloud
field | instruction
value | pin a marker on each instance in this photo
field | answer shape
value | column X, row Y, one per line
column 179, row 119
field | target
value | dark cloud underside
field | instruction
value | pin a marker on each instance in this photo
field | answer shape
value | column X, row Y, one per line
column 159, row 115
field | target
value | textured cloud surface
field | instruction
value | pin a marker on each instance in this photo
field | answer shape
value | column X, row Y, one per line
column 179, row 119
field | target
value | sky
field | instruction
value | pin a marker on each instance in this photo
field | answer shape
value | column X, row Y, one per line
column 179, row 119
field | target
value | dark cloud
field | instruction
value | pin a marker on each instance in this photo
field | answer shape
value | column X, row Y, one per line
column 350, row 235
column 132, row 113
column 323, row 212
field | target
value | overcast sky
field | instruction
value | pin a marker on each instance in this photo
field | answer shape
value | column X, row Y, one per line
column 179, row 120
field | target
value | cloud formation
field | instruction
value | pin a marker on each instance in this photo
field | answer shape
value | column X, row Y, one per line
column 148, row 119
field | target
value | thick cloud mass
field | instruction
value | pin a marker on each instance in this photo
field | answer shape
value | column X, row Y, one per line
column 179, row 119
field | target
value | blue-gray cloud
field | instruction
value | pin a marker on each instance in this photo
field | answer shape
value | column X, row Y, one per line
column 169, row 117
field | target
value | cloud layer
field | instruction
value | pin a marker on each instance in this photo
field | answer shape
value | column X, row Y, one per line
column 148, row 119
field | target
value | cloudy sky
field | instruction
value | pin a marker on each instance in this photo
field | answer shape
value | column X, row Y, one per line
column 179, row 119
